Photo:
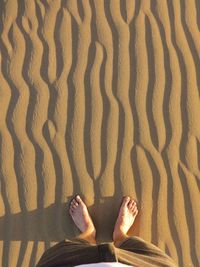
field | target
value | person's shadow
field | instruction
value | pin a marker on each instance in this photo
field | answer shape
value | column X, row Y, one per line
column 53, row 224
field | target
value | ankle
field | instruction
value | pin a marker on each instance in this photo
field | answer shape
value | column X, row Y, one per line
column 92, row 240
column 92, row 235
column 118, row 240
column 119, row 236
column 89, row 235
column 118, row 243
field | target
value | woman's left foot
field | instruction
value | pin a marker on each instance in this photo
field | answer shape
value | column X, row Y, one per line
column 79, row 212
column 127, row 214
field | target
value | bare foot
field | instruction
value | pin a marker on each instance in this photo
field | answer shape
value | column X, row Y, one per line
column 127, row 213
column 81, row 217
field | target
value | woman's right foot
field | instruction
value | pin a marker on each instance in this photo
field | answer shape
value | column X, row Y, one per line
column 127, row 214
column 81, row 217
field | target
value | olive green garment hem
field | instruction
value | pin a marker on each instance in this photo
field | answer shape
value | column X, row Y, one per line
column 133, row 251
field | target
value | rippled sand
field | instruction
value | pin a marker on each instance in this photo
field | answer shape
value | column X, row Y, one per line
column 99, row 98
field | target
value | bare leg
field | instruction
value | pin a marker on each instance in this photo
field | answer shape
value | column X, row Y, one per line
column 82, row 220
column 127, row 213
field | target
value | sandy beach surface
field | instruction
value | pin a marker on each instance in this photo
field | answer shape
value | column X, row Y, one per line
column 99, row 98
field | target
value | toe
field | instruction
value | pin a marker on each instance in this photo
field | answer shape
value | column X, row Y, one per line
column 133, row 203
column 126, row 200
column 74, row 206
column 79, row 200
column 71, row 206
column 75, row 203
column 130, row 204
column 136, row 203
column 132, row 208
column 135, row 210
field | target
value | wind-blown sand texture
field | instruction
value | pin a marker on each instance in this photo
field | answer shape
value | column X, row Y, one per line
column 99, row 98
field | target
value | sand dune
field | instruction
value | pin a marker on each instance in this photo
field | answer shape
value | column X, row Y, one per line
column 99, row 98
